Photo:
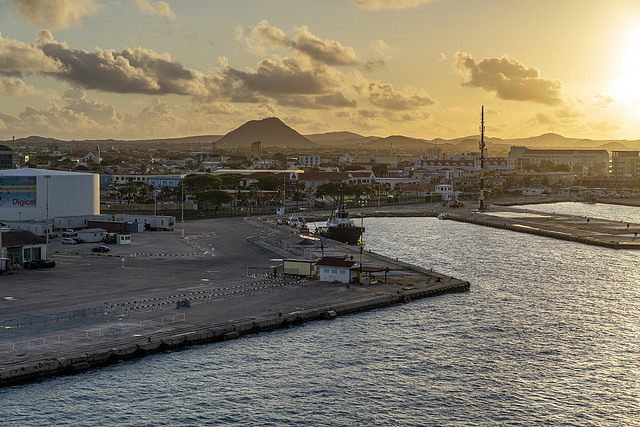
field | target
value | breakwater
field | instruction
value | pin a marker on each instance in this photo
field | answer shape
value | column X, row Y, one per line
column 573, row 237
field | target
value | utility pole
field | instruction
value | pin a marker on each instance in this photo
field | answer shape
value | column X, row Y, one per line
column 482, row 148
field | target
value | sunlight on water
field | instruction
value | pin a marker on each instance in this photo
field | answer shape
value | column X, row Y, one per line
column 548, row 335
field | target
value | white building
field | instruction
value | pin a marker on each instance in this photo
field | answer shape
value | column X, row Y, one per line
column 446, row 191
column 332, row 269
column 37, row 194
column 309, row 160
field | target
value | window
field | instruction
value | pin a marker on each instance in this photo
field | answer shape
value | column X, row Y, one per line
column 326, row 270
column 334, row 271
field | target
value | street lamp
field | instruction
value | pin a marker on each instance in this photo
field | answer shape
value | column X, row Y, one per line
column 46, row 255
column 361, row 202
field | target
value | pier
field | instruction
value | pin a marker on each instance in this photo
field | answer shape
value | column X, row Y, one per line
column 171, row 292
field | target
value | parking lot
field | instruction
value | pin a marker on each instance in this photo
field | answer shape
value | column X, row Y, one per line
column 155, row 264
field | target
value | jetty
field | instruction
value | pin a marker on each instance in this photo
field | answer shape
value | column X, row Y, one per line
column 610, row 233
column 208, row 281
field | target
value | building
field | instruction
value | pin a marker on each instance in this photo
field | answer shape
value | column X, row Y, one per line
column 625, row 163
column 596, row 161
column 309, row 160
column 159, row 181
column 335, row 269
column 6, row 157
column 256, row 150
column 21, row 246
column 38, row 194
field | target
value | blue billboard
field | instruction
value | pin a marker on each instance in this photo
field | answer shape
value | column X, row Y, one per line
column 18, row 191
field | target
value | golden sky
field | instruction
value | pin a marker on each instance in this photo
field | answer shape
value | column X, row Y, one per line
column 137, row 69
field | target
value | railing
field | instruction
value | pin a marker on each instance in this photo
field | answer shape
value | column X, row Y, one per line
column 50, row 317
column 93, row 333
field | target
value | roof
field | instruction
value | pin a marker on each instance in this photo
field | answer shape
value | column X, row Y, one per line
column 317, row 176
column 368, row 269
column 20, row 238
column 335, row 262
column 39, row 172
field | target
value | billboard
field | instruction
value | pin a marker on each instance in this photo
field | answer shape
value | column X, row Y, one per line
column 18, row 191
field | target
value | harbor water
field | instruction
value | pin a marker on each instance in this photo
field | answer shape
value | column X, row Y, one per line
column 548, row 335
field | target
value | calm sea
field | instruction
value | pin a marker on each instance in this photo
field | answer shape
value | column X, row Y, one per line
column 548, row 335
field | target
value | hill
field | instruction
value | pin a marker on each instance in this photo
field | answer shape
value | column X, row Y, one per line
column 271, row 132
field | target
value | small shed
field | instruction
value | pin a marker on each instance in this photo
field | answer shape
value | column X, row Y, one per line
column 335, row 269
column 123, row 239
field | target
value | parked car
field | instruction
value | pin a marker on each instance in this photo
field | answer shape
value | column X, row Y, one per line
column 100, row 248
column 69, row 233
column 40, row 263
column 68, row 241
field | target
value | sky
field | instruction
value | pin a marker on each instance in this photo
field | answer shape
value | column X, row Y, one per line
column 142, row 69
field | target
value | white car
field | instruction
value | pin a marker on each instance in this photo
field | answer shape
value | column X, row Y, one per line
column 68, row 241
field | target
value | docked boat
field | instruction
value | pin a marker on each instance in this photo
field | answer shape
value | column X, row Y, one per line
column 341, row 228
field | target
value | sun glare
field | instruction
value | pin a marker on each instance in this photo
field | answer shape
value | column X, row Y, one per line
column 626, row 85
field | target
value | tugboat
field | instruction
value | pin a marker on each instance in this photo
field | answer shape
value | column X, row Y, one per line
column 341, row 228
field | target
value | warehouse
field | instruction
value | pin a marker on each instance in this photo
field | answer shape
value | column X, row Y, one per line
column 25, row 194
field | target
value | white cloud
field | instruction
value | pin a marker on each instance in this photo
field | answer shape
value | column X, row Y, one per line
column 160, row 8
column 54, row 14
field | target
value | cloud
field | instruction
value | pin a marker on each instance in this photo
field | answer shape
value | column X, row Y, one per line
column 389, row 4
column 374, row 65
column 136, row 70
column 329, row 52
column 509, row 79
column 17, row 58
column 55, row 14
column 604, row 101
column 286, row 77
column 16, row 87
column 156, row 8
column 384, row 96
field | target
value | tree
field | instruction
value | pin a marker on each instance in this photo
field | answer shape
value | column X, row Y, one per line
column 230, row 180
column 255, row 194
column 380, row 169
column 194, row 183
column 270, row 182
column 214, row 197
column 281, row 158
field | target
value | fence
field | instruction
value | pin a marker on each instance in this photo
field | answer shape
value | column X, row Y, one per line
column 50, row 317
column 195, row 211
column 93, row 333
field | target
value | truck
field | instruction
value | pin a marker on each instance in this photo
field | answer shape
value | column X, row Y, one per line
column 151, row 222
column 299, row 267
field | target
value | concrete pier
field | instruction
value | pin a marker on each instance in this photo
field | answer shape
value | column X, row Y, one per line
column 217, row 266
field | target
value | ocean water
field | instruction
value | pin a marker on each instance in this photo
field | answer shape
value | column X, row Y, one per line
column 548, row 335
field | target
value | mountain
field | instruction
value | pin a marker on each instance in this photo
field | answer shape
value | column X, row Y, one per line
column 334, row 136
column 396, row 142
column 271, row 132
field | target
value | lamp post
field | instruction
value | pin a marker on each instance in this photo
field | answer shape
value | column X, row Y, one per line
column 361, row 202
column 182, row 203
column 46, row 226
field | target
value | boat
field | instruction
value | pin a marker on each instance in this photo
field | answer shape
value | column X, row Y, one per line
column 442, row 216
column 341, row 228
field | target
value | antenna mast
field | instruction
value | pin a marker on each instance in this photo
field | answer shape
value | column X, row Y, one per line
column 482, row 148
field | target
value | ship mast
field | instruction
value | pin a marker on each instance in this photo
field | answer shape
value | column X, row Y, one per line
column 482, row 148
